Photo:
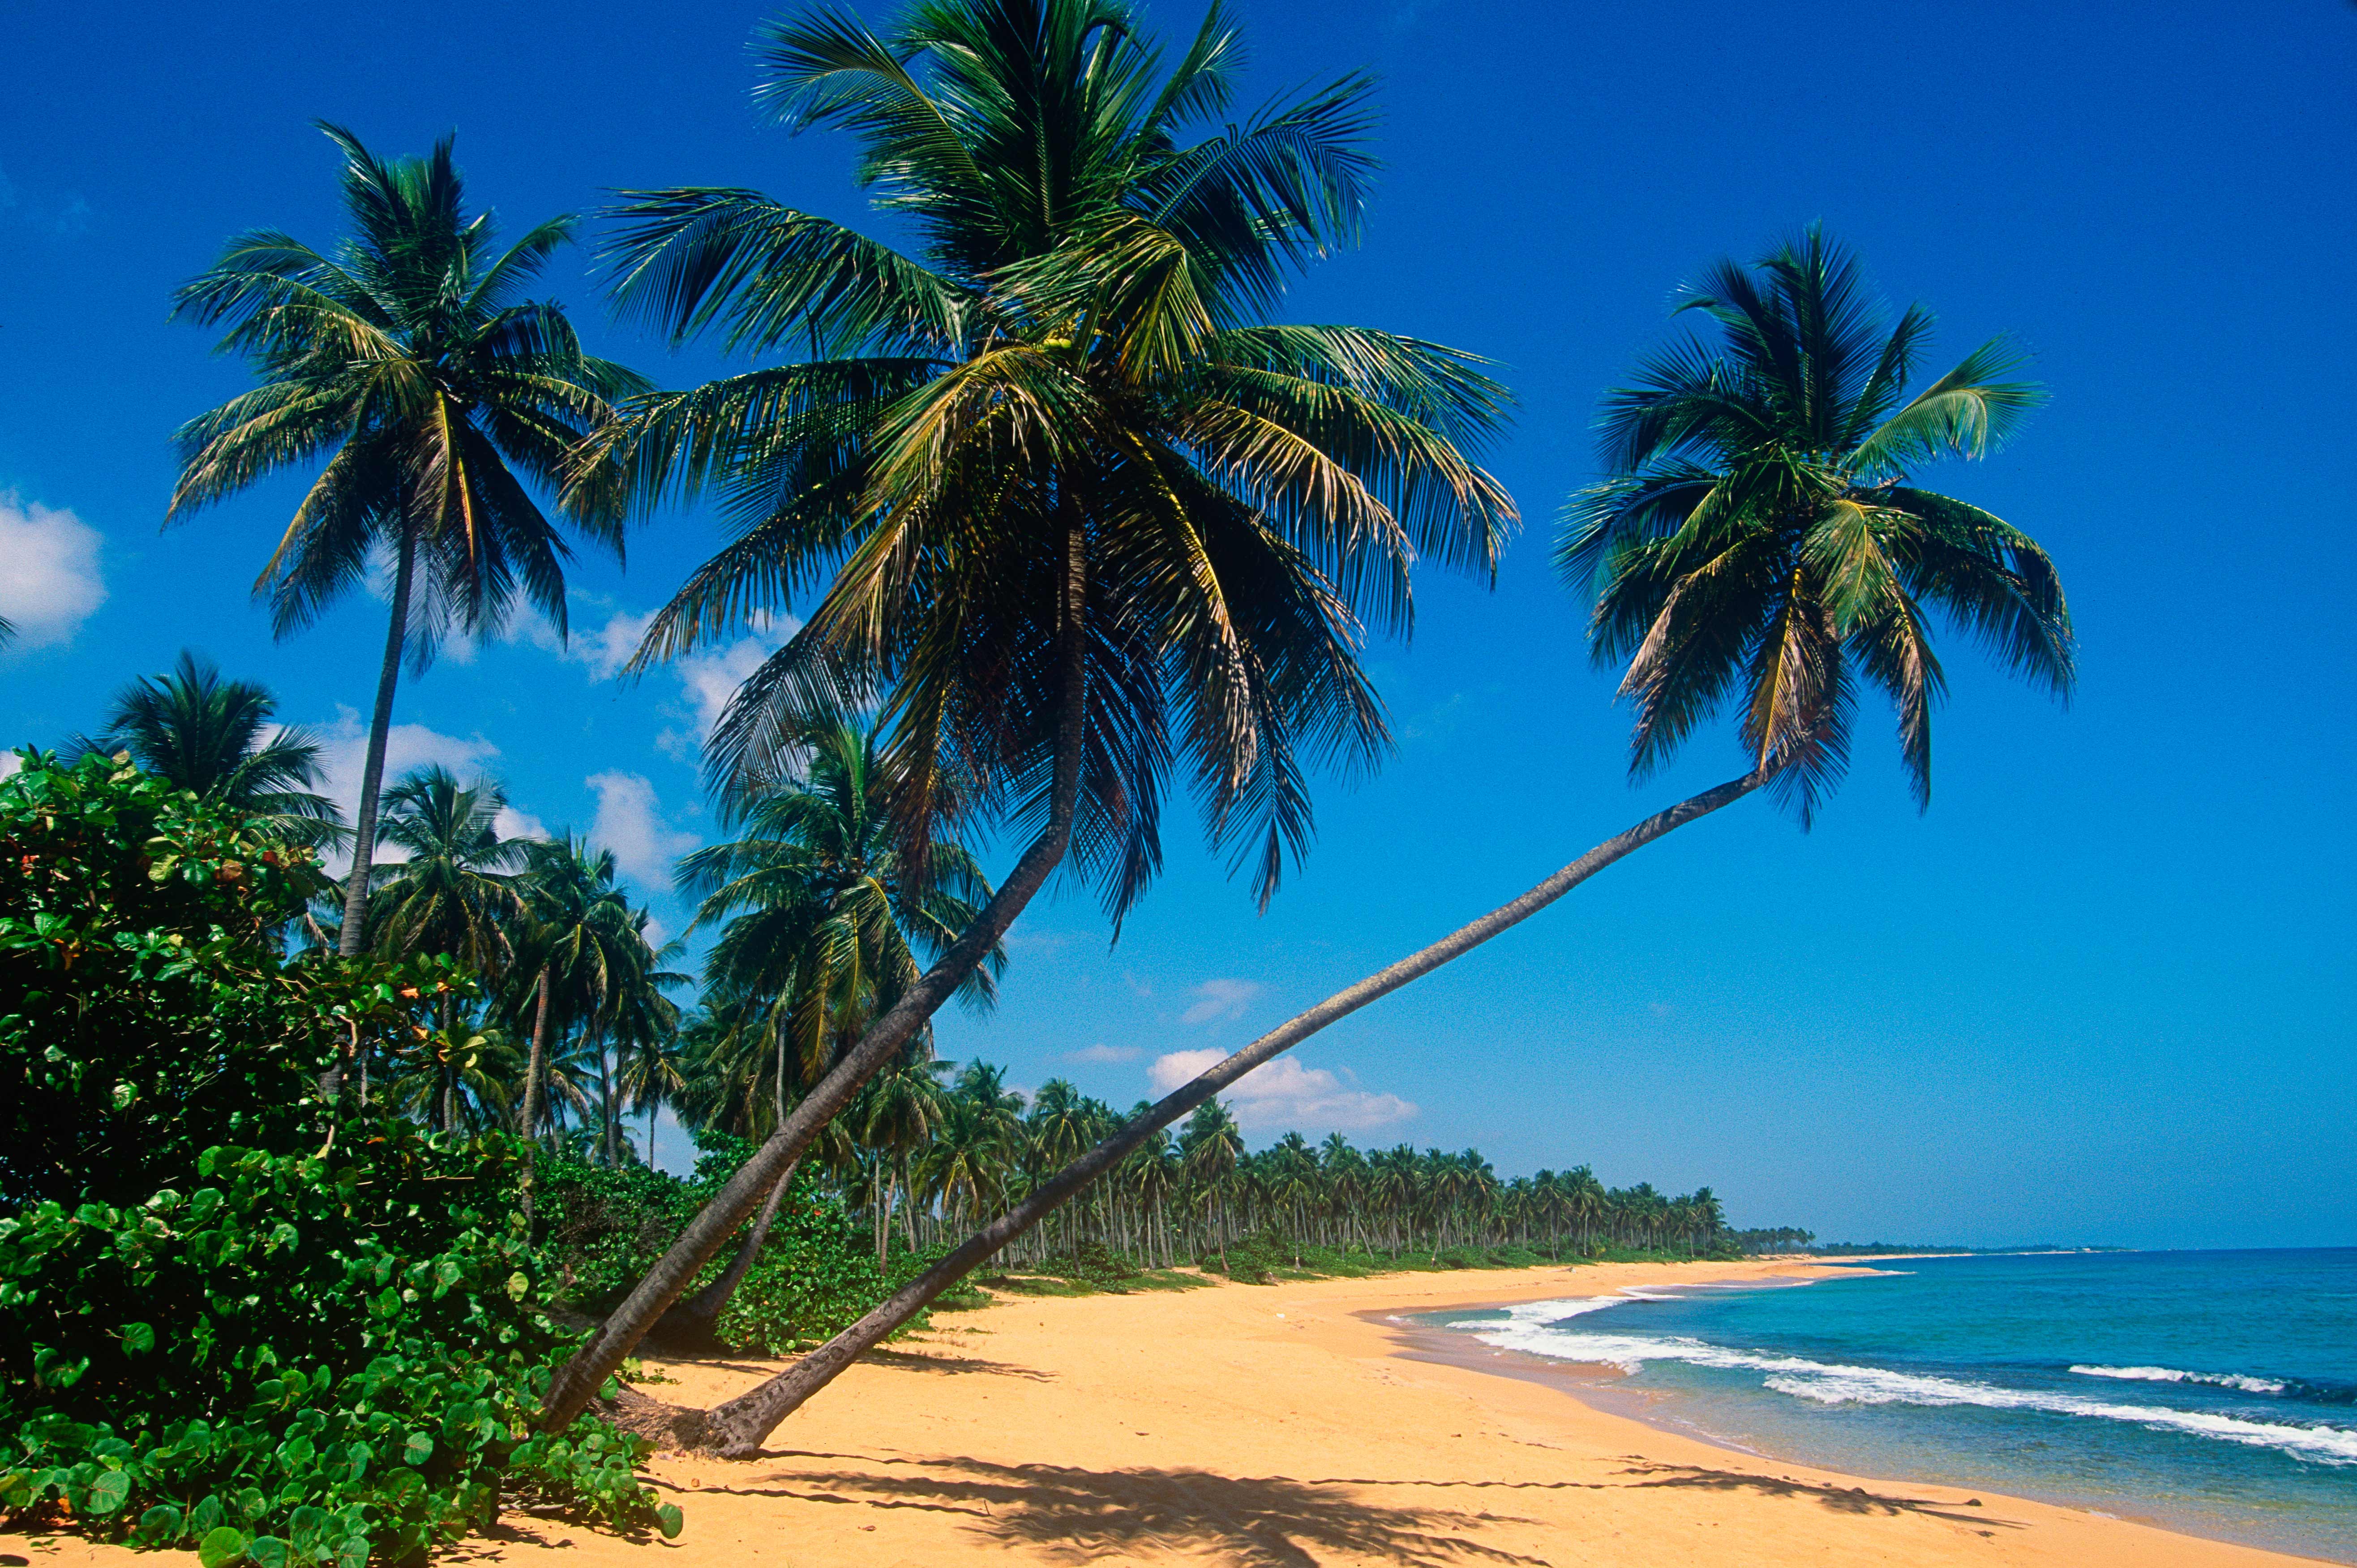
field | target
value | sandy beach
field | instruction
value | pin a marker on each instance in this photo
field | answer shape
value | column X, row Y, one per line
column 1267, row 1427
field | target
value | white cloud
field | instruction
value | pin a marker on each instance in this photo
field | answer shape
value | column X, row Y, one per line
column 343, row 753
column 1103, row 1054
column 1284, row 1096
column 630, row 821
column 601, row 650
column 1217, row 999
column 49, row 580
column 9, row 763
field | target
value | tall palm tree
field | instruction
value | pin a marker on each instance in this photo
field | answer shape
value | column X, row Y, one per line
column 1755, row 535
column 641, row 1025
column 409, row 359
column 824, row 917
column 577, row 916
column 826, row 914
column 454, row 891
column 1084, row 513
column 220, row 739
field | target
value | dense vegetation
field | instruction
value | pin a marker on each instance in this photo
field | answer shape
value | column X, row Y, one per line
column 233, row 1317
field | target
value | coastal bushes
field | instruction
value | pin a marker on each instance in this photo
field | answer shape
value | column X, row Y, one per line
column 231, row 1319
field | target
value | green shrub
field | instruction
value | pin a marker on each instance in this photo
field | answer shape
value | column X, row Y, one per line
column 230, row 1319
column 816, row 1277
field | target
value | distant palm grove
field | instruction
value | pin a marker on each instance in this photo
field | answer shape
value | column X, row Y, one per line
column 1068, row 515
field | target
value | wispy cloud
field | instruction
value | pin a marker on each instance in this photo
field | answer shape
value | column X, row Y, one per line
column 601, row 648
column 1103, row 1053
column 1217, row 999
column 1284, row 1096
column 49, row 577
column 630, row 822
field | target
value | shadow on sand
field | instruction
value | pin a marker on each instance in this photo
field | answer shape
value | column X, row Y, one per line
column 1841, row 1499
column 1081, row 1516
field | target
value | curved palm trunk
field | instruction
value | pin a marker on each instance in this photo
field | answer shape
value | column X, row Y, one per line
column 737, row 1428
column 356, row 885
column 571, row 1390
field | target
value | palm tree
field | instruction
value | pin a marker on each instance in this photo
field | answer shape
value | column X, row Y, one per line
column 409, row 359
column 824, row 917
column 455, row 1078
column 1755, row 536
column 455, row 890
column 825, row 909
column 574, row 914
column 640, row 1023
column 220, row 739
column 1088, row 516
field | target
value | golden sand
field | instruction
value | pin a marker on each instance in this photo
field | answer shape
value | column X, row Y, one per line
column 1270, row 1427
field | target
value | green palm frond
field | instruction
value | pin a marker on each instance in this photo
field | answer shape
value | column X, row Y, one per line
column 1076, row 339
column 1756, row 541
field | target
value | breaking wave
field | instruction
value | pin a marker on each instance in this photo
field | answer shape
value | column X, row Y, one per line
column 1534, row 1328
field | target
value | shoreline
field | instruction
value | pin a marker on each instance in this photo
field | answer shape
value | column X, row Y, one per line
column 1271, row 1427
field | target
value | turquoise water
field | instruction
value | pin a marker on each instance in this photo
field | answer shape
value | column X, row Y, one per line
column 2214, row 1393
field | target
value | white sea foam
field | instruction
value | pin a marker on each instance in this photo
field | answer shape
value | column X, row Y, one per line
column 2171, row 1375
column 1528, row 1330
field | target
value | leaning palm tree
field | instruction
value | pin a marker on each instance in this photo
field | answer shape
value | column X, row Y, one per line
column 454, row 891
column 1758, row 534
column 220, row 740
column 409, row 359
column 1081, row 510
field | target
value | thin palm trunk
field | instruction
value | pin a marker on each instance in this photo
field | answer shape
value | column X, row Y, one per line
column 737, row 1428
column 692, row 1321
column 571, row 1390
column 356, row 885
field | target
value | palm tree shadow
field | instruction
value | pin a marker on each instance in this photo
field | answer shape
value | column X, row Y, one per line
column 923, row 1362
column 1083, row 1516
column 1840, row 1499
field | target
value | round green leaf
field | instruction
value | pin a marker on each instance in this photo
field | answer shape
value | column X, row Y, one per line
column 138, row 1336
column 267, row 1552
column 667, row 1520
column 110, row 1492
column 417, row 1450
column 222, row 1546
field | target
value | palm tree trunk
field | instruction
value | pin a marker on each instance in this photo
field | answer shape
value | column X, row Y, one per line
column 356, row 884
column 737, row 1428
column 577, row 1382
column 693, row 1321
column 536, row 1066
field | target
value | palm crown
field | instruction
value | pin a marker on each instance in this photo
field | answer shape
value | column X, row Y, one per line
column 409, row 358
column 455, row 891
column 221, row 738
column 1062, row 417
column 1761, row 539
column 821, row 922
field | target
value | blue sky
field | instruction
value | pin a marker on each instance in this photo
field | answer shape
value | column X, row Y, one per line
column 2101, row 992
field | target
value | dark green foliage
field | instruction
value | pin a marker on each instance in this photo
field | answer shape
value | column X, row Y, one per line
column 146, row 1014
column 603, row 1228
column 226, row 1323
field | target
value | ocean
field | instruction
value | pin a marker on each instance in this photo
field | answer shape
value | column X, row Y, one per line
column 2210, row 1392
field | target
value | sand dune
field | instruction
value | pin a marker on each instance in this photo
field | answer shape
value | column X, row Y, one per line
column 1273, row 1427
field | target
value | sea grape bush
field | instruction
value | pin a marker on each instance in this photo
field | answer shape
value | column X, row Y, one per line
column 227, row 1318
